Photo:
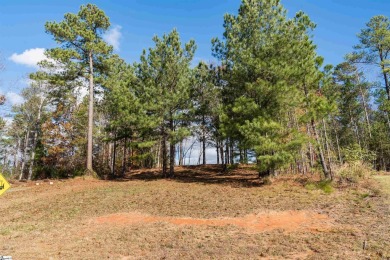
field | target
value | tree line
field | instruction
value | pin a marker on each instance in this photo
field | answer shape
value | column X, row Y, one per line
column 269, row 99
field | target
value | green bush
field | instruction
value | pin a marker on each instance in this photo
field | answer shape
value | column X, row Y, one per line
column 355, row 153
column 354, row 171
column 234, row 166
column 324, row 185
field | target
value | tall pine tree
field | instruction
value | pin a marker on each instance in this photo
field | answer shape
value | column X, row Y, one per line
column 80, row 55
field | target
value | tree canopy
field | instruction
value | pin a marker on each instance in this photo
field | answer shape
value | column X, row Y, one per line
column 269, row 100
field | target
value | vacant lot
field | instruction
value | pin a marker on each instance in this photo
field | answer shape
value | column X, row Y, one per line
column 201, row 214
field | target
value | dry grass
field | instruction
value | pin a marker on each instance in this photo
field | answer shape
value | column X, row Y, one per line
column 60, row 221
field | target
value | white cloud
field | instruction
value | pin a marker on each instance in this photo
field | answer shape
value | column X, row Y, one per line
column 29, row 57
column 14, row 98
column 113, row 37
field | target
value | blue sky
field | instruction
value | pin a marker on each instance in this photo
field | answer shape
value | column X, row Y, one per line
column 135, row 22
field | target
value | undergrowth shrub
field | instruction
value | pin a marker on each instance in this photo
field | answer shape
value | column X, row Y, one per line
column 324, row 185
column 232, row 167
column 267, row 181
column 354, row 171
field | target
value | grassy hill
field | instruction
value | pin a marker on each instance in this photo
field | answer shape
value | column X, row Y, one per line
column 200, row 214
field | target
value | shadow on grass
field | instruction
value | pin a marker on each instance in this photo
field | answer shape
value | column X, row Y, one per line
column 203, row 174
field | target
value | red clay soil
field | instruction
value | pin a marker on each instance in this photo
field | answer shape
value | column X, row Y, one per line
column 285, row 220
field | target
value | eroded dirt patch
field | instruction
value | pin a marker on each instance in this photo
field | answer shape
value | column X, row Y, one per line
column 285, row 220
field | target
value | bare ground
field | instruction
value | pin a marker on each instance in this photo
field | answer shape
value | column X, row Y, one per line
column 200, row 214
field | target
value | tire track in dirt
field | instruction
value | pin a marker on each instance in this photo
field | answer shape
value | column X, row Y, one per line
column 286, row 220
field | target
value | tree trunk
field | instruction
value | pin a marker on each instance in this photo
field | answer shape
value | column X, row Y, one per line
column 24, row 155
column 172, row 160
column 171, row 152
column 30, row 171
column 354, row 124
column 104, row 154
column 227, row 157
column 338, row 144
column 90, row 117
column 113, row 158
column 303, row 161
column 217, row 152
column 181, row 153
column 387, row 86
column 16, row 156
column 204, row 150
column 231, row 150
column 200, row 152
column 319, row 146
column 109, row 160
column 311, row 152
column 124, row 161
column 327, row 148
column 164, row 153
column 130, row 154
column 158, row 154
column 365, row 111
column 204, row 139
column 221, row 152
column 241, row 155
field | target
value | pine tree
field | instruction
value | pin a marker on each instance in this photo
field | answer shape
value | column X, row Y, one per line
column 80, row 55
column 164, row 75
column 126, row 114
column 271, row 64
column 373, row 50
column 374, row 47
column 204, row 95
